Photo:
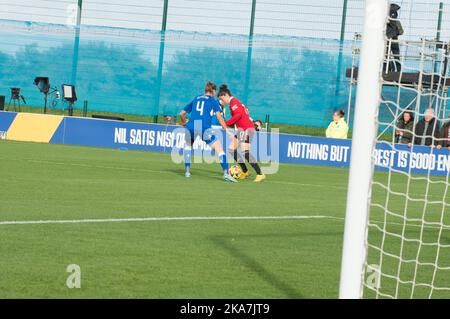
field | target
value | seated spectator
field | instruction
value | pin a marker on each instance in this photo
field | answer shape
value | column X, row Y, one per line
column 405, row 128
column 444, row 136
column 258, row 125
column 426, row 129
column 170, row 119
column 338, row 128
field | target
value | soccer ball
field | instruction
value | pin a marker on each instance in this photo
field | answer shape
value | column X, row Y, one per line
column 235, row 171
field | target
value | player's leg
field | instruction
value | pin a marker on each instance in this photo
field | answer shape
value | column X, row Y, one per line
column 211, row 137
column 187, row 152
column 217, row 147
column 216, row 129
column 245, row 148
column 233, row 151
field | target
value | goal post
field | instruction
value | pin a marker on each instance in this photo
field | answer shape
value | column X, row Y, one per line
column 368, row 96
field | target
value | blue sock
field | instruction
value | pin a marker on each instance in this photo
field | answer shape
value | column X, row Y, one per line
column 223, row 162
column 187, row 158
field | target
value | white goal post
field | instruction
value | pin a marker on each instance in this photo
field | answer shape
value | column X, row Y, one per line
column 397, row 223
column 368, row 96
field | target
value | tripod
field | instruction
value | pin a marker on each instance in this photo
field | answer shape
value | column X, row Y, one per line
column 15, row 98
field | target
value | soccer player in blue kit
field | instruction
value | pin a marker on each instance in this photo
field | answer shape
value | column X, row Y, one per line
column 201, row 110
column 215, row 123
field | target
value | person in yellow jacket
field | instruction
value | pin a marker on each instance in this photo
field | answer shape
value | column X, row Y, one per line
column 338, row 128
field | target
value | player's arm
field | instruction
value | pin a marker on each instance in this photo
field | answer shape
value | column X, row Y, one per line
column 187, row 109
column 223, row 124
column 236, row 117
column 183, row 117
column 218, row 110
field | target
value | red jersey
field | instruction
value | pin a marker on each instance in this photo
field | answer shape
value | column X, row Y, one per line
column 239, row 115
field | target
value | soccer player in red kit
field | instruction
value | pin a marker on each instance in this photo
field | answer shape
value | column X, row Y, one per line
column 245, row 132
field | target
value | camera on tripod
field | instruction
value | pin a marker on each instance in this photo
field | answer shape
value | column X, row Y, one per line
column 15, row 98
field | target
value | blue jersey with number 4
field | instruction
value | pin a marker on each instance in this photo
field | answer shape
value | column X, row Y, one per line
column 201, row 110
column 214, row 119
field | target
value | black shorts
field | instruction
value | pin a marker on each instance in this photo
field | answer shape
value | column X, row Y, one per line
column 245, row 136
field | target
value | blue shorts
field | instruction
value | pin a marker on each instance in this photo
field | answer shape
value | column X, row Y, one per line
column 209, row 136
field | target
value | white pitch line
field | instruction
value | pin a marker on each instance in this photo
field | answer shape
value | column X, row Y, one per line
column 147, row 219
column 193, row 218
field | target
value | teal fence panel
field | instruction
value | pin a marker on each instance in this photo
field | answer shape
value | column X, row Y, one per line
column 135, row 57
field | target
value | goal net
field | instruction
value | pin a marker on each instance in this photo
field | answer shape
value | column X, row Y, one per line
column 397, row 232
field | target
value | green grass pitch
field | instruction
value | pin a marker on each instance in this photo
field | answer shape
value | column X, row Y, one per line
column 252, row 258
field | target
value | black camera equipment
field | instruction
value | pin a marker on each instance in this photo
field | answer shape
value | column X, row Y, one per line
column 43, row 84
column 15, row 98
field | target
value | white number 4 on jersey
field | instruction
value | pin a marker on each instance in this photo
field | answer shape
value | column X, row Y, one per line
column 200, row 106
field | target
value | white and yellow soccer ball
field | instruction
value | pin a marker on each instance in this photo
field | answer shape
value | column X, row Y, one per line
column 235, row 171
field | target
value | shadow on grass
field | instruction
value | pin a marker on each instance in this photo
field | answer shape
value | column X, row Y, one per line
column 289, row 290
column 204, row 173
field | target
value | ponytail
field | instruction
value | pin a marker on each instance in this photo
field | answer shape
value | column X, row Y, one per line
column 224, row 90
